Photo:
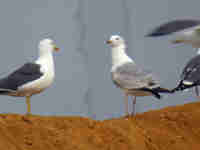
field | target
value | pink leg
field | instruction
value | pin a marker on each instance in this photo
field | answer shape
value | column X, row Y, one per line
column 126, row 104
column 134, row 103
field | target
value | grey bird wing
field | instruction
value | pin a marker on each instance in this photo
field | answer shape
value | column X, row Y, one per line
column 28, row 72
column 129, row 76
column 173, row 26
column 191, row 71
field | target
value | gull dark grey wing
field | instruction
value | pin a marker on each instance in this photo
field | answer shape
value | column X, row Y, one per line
column 190, row 76
column 191, row 72
column 129, row 76
column 27, row 73
column 173, row 26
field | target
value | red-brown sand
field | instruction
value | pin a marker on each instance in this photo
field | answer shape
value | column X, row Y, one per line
column 172, row 128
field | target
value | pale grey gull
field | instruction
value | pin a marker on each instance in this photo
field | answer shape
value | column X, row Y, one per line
column 129, row 77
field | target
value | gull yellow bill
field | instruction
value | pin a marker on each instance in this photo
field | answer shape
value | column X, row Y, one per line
column 55, row 48
column 109, row 42
column 177, row 41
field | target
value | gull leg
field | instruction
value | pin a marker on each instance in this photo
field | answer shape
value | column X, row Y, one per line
column 134, row 109
column 126, row 104
column 28, row 104
column 197, row 91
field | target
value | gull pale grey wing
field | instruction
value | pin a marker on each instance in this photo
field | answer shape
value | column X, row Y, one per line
column 28, row 72
column 129, row 76
column 173, row 26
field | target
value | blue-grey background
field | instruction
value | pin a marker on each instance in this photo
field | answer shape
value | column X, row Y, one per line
column 83, row 83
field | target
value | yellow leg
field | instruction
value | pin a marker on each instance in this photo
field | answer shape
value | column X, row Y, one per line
column 28, row 104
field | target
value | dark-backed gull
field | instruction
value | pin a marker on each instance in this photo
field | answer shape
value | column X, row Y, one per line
column 190, row 76
column 33, row 77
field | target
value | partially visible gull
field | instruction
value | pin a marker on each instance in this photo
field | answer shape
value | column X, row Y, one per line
column 33, row 77
column 186, row 31
column 129, row 77
column 190, row 76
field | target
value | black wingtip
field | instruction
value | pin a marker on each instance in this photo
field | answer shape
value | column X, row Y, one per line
column 159, row 90
column 155, row 33
column 4, row 92
column 172, row 26
column 162, row 30
column 163, row 90
column 156, row 95
column 176, row 89
column 181, row 87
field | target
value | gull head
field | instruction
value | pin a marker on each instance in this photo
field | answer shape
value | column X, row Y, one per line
column 47, row 45
column 116, row 41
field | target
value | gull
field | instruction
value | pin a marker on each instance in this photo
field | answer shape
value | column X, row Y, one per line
column 129, row 77
column 190, row 76
column 33, row 77
column 185, row 31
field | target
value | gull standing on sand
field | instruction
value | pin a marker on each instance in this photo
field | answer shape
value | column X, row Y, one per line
column 33, row 77
column 129, row 77
column 186, row 31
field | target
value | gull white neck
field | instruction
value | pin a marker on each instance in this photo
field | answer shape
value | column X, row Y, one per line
column 46, row 57
column 47, row 67
column 119, row 56
column 46, row 62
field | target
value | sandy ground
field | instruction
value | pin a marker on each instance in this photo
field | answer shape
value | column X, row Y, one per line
column 172, row 128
